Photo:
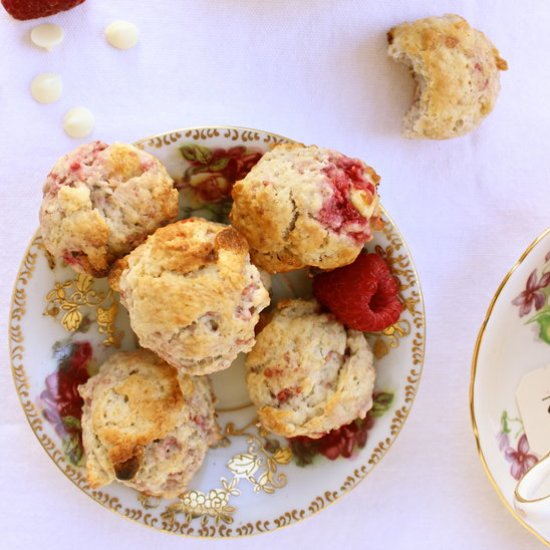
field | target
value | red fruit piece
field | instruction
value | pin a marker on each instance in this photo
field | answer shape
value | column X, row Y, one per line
column 362, row 295
column 33, row 9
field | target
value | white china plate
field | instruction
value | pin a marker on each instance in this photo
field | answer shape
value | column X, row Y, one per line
column 62, row 325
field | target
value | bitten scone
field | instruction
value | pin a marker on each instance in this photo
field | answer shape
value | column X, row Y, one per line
column 145, row 425
column 456, row 69
column 101, row 201
column 192, row 294
column 306, row 206
column 307, row 373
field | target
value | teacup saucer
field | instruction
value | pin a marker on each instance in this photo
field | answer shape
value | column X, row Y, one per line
column 513, row 340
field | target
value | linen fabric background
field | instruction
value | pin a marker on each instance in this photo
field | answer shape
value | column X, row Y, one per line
column 316, row 71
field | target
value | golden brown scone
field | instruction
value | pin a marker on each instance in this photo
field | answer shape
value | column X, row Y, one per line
column 456, row 69
column 305, row 206
column 192, row 294
column 144, row 425
column 307, row 373
column 101, row 201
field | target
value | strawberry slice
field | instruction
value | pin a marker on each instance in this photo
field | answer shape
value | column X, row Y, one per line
column 33, row 9
column 362, row 295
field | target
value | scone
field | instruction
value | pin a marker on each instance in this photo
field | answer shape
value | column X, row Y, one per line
column 145, row 425
column 307, row 373
column 456, row 69
column 101, row 201
column 305, row 206
column 192, row 294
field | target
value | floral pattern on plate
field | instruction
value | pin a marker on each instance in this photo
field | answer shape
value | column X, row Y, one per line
column 519, row 457
column 343, row 441
column 60, row 402
column 212, row 172
column 536, row 296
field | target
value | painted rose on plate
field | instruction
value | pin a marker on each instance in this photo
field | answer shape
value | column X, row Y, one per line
column 343, row 441
column 213, row 172
column 60, row 402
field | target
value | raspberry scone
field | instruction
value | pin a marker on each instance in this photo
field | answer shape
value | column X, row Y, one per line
column 306, row 206
column 456, row 69
column 192, row 294
column 307, row 373
column 145, row 425
column 101, row 201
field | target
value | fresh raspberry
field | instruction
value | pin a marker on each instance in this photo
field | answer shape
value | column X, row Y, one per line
column 33, row 9
column 362, row 295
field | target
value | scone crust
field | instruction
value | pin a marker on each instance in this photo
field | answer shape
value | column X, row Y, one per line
column 145, row 425
column 308, row 374
column 457, row 72
column 293, row 215
column 101, row 201
column 192, row 294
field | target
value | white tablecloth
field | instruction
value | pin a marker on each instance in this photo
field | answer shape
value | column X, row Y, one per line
column 316, row 71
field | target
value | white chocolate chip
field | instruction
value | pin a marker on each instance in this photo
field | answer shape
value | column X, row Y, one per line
column 122, row 34
column 364, row 202
column 46, row 87
column 78, row 122
column 47, row 35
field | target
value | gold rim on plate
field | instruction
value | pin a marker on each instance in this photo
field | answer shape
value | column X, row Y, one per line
column 239, row 130
column 17, row 311
column 479, row 341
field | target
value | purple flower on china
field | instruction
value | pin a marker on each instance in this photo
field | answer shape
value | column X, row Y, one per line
column 533, row 294
column 521, row 459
